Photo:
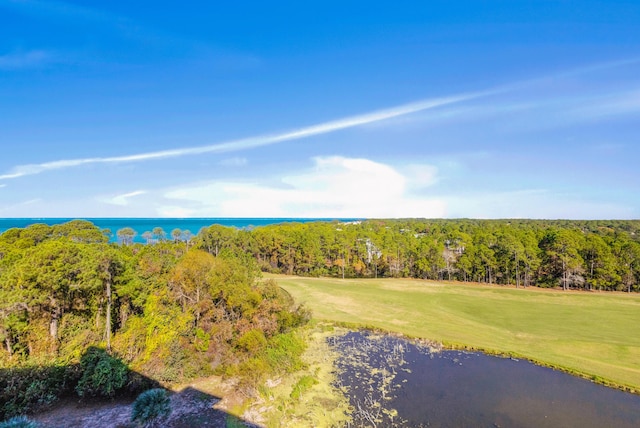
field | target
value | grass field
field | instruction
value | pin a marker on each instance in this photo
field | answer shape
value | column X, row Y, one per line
column 596, row 335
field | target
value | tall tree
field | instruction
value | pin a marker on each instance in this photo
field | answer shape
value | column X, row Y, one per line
column 48, row 280
column 188, row 280
column 147, row 236
column 215, row 238
column 79, row 231
column 103, row 269
column 600, row 263
column 509, row 251
column 628, row 254
column 159, row 234
column 126, row 235
column 563, row 261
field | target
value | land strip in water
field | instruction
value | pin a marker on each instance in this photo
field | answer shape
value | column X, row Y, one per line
column 594, row 335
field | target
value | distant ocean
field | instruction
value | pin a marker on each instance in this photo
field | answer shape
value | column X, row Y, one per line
column 141, row 225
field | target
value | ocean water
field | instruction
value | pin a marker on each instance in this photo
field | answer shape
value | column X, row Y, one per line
column 141, row 225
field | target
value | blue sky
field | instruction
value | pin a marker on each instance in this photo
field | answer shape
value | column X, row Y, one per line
column 484, row 109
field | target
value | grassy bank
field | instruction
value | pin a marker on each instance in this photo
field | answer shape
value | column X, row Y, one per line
column 596, row 335
column 307, row 397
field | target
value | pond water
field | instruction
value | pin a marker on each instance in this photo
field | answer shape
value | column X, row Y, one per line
column 393, row 382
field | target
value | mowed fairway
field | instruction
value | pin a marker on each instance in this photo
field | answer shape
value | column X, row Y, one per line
column 596, row 334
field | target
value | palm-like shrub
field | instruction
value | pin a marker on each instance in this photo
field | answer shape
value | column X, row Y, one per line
column 18, row 422
column 150, row 406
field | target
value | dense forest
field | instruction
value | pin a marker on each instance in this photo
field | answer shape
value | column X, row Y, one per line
column 593, row 255
column 168, row 312
column 183, row 305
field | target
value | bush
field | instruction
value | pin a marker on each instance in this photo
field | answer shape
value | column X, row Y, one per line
column 102, row 374
column 252, row 341
column 284, row 353
column 150, row 406
column 18, row 422
column 27, row 389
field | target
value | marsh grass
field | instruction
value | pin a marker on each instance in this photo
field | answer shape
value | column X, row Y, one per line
column 594, row 335
column 309, row 396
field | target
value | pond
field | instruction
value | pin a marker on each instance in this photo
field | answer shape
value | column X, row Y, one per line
column 394, row 382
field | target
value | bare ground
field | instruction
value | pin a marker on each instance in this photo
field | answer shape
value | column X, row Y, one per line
column 190, row 407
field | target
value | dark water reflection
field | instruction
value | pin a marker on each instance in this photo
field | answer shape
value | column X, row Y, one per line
column 392, row 382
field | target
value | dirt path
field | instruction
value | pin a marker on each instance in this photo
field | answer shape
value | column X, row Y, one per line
column 189, row 408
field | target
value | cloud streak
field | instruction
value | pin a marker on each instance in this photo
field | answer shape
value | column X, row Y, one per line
column 251, row 142
column 309, row 131
column 124, row 199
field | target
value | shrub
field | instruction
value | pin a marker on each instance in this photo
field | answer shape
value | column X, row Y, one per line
column 18, row 422
column 150, row 406
column 284, row 353
column 27, row 389
column 102, row 374
column 252, row 341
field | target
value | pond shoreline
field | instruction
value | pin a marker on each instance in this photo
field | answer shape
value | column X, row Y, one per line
column 394, row 381
column 447, row 346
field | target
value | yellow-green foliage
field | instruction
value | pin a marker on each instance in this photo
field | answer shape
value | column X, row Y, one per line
column 165, row 323
column 252, row 341
column 201, row 340
column 304, row 384
column 282, row 354
column 284, row 351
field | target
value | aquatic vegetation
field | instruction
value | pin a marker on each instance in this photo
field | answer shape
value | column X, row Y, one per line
column 392, row 381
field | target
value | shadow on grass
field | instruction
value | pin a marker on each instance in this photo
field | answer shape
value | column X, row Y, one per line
column 99, row 391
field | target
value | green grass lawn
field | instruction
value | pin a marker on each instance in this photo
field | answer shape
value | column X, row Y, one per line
column 594, row 334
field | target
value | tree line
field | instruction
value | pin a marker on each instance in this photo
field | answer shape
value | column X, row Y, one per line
column 591, row 255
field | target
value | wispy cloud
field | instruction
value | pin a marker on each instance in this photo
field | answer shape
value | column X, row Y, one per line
column 614, row 107
column 569, row 73
column 124, row 198
column 533, row 99
column 619, row 104
column 251, row 142
column 22, row 60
